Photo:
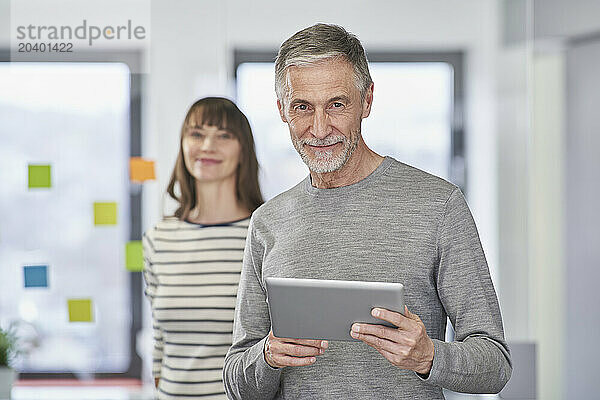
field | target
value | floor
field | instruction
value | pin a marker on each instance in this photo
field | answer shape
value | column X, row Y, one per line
column 134, row 393
column 82, row 393
column 70, row 389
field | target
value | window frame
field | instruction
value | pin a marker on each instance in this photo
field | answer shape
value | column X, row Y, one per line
column 457, row 170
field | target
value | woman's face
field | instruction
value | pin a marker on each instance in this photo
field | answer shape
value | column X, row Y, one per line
column 210, row 154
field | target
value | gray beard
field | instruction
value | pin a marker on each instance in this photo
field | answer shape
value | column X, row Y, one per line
column 325, row 161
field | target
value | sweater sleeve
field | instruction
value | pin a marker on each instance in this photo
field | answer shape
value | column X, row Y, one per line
column 246, row 374
column 150, row 292
column 478, row 361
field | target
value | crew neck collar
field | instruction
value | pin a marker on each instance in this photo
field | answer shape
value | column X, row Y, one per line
column 219, row 224
column 383, row 166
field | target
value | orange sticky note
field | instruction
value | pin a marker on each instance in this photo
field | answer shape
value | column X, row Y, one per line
column 141, row 170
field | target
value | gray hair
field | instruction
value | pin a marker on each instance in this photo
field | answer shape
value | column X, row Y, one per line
column 318, row 43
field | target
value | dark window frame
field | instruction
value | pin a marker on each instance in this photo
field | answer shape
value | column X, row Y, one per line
column 133, row 60
column 457, row 170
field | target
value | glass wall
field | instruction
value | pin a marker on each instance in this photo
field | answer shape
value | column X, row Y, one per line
column 64, row 214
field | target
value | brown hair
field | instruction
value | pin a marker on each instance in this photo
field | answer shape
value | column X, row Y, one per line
column 224, row 114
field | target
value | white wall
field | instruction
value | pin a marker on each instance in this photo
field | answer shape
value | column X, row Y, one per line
column 582, row 172
column 513, row 169
column 547, row 91
column 557, row 19
column 547, row 218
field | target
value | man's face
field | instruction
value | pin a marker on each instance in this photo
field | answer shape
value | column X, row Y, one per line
column 324, row 111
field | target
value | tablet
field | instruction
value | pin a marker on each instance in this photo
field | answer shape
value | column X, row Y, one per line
column 325, row 309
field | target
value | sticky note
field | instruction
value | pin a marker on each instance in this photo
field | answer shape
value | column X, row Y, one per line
column 80, row 310
column 35, row 276
column 134, row 256
column 105, row 213
column 39, row 176
column 141, row 170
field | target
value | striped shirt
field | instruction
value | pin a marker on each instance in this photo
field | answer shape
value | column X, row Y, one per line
column 192, row 273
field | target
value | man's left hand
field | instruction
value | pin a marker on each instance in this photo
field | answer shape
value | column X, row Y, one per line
column 407, row 346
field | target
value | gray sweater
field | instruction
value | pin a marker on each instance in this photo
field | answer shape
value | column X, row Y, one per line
column 399, row 224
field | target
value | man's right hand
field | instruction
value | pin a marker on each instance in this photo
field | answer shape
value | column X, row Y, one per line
column 284, row 352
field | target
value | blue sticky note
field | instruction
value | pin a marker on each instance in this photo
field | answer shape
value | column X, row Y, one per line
column 36, row 275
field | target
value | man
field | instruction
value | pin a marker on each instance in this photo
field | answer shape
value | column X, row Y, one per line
column 360, row 216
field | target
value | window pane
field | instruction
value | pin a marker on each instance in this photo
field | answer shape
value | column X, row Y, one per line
column 411, row 114
column 410, row 119
column 75, row 119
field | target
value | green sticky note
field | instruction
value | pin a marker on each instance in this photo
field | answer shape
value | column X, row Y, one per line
column 80, row 310
column 105, row 213
column 39, row 176
column 134, row 256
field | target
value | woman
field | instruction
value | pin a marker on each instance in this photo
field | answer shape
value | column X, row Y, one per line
column 194, row 258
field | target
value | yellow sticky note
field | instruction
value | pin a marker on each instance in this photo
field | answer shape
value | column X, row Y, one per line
column 141, row 170
column 105, row 213
column 134, row 256
column 39, row 176
column 80, row 310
